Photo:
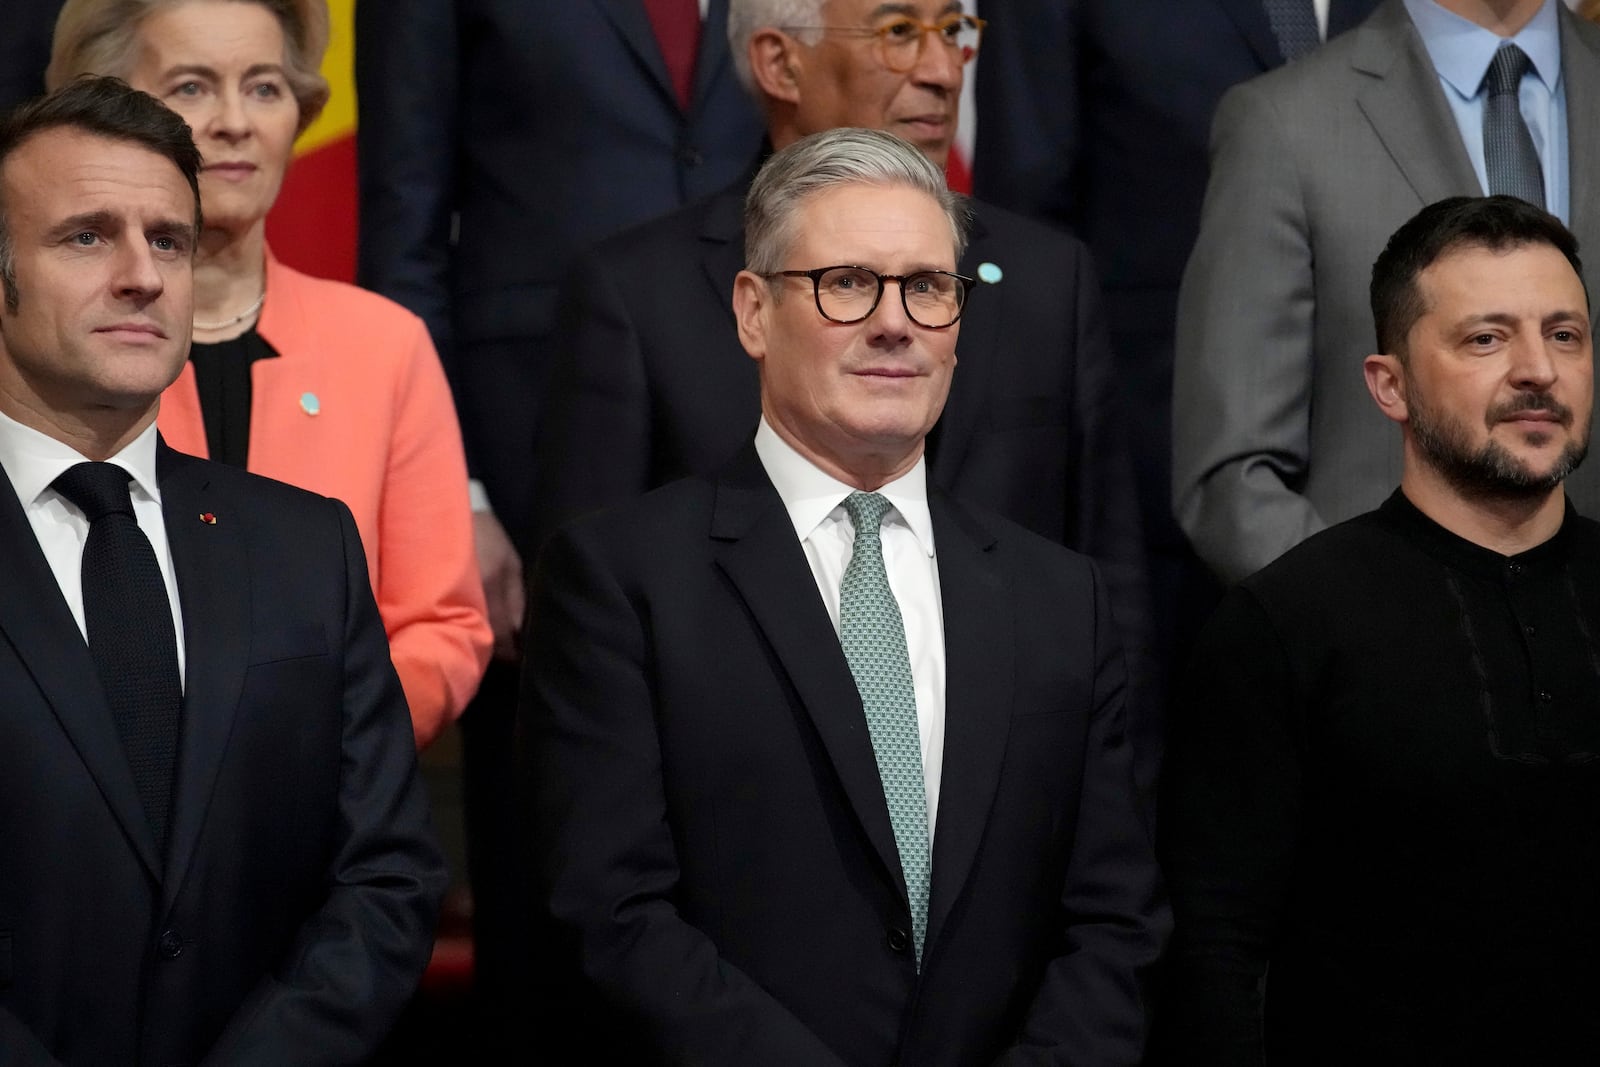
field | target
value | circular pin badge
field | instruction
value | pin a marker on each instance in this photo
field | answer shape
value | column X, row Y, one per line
column 990, row 273
column 310, row 404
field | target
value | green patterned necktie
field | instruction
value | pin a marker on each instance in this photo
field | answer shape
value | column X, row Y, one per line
column 874, row 640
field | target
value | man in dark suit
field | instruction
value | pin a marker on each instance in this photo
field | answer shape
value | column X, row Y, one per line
column 1095, row 115
column 492, row 125
column 25, row 50
column 215, row 844
column 829, row 768
column 650, row 383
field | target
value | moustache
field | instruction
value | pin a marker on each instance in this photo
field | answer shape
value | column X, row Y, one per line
column 1522, row 402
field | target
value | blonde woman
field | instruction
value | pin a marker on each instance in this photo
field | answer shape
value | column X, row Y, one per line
column 308, row 381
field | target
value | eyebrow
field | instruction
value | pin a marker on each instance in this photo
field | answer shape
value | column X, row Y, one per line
column 108, row 221
column 203, row 71
column 1505, row 318
column 910, row 10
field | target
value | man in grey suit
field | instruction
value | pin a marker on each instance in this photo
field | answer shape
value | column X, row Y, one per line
column 1313, row 166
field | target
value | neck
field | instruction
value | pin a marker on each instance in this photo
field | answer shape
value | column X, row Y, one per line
column 1504, row 18
column 866, row 470
column 96, row 434
column 1504, row 524
column 229, row 276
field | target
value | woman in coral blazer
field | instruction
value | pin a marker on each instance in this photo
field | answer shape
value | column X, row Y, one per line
column 312, row 382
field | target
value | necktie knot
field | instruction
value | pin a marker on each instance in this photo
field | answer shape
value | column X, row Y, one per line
column 98, row 489
column 1506, row 69
column 866, row 511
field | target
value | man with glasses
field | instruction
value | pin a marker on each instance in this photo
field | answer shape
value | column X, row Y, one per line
column 649, row 382
column 829, row 768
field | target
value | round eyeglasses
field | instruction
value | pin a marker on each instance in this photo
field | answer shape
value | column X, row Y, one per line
column 845, row 294
column 899, row 39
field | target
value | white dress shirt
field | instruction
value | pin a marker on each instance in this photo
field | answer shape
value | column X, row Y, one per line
column 33, row 460
column 815, row 502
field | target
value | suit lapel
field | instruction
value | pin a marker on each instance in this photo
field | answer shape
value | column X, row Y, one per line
column 35, row 618
column 977, row 351
column 633, row 23
column 979, row 646
column 722, row 245
column 1250, row 16
column 713, row 54
column 760, row 554
column 1407, row 109
column 214, row 589
column 1580, row 73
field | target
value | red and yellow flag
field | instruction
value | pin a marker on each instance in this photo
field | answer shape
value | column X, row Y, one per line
column 312, row 227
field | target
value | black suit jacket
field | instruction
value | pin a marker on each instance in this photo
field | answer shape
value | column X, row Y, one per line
column 25, row 49
column 1096, row 115
column 650, row 383
column 712, row 829
column 294, row 910
column 498, row 138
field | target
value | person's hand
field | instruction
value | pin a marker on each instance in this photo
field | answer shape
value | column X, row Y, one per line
column 501, row 570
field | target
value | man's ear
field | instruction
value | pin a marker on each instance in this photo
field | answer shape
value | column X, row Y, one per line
column 1386, row 381
column 776, row 64
column 752, row 301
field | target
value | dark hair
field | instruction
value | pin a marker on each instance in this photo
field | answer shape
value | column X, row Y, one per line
column 107, row 107
column 1497, row 223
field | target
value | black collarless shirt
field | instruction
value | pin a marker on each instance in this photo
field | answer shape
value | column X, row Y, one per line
column 1385, row 804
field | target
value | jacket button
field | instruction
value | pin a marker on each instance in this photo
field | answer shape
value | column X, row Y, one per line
column 170, row 946
column 899, row 940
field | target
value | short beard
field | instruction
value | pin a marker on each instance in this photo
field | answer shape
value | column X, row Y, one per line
column 1491, row 471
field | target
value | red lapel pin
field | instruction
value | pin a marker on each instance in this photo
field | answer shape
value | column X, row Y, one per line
column 208, row 518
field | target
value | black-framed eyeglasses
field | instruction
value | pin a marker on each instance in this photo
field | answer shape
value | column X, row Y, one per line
column 899, row 39
column 846, row 294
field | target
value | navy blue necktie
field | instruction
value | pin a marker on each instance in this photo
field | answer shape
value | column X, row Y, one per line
column 1294, row 24
column 1509, row 157
column 129, row 621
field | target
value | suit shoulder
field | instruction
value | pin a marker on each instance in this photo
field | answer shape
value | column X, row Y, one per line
column 1315, row 80
column 719, row 215
column 261, row 496
column 997, row 229
column 1018, row 545
column 668, row 515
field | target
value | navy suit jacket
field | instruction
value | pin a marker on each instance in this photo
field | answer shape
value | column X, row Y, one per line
column 1096, row 115
column 25, row 50
column 497, row 139
column 650, row 383
column 294, row 909
column 712, row 831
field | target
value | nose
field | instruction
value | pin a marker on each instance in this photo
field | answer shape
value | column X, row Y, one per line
column 1532, row 365
column 228, row 119
column 891, row 326
column 938, row 65
column 137, row 277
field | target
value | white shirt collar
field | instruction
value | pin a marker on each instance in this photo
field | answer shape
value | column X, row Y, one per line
column 810, row 495
column 33, row 460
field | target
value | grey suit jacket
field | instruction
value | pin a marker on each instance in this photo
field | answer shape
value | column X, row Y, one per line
column 1313, row 167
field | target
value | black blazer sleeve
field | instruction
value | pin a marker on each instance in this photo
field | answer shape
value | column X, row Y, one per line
column 355, row 961
column 406, row 62
column 1094, row 994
